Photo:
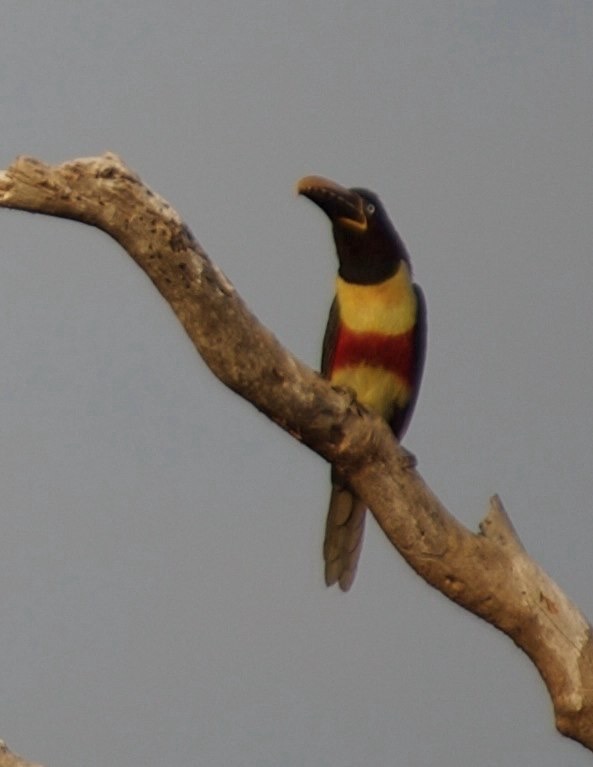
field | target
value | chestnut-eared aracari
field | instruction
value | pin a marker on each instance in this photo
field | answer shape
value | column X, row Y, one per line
column 374, row 343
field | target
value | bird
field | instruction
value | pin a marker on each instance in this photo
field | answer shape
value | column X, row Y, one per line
column 374, row 342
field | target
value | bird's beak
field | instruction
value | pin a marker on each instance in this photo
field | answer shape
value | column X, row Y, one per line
column 343, row 206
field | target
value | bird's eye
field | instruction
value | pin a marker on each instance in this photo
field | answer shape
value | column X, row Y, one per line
column 370, row 208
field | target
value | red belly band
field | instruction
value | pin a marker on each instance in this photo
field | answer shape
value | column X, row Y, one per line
column 394, row 353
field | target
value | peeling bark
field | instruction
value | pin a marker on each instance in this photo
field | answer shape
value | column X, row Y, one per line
column 489, row 573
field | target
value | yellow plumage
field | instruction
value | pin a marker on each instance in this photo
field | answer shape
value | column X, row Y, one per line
column 375, row 387
column 389, row 307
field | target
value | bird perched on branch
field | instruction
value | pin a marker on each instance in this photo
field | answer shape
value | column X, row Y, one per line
column 374, row 343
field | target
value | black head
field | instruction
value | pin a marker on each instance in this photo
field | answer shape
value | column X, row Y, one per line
column 369, row 249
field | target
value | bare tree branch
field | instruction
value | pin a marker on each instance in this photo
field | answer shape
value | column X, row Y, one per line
column 8, row 759
column 488, row 573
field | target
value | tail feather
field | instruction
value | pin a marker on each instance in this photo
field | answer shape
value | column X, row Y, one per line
column 343, row 537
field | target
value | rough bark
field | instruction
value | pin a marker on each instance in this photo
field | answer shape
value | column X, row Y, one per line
column 488, row 573
column 8, row 759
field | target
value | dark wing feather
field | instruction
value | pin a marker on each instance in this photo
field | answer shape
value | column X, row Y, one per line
column 329, row 339
column 401, row 418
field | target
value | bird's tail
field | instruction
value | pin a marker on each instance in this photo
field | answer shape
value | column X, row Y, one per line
column 343, row 537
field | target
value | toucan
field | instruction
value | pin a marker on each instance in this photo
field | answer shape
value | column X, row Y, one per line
column 374, row 343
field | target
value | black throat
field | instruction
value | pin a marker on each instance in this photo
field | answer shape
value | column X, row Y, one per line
column 370, row 270
column 368, row 260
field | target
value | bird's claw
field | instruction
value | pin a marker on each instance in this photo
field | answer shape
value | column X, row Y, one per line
column 407, row 459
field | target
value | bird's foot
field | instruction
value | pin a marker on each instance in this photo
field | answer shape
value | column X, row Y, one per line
column 407, row 459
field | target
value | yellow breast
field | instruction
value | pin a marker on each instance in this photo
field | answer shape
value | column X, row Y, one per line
column 389, row 307
column 376, row 388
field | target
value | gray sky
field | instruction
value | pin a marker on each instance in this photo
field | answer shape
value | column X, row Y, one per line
column 162, row 591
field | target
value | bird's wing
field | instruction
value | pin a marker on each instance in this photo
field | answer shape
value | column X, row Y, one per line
column 401, row 418
column 330, row 339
